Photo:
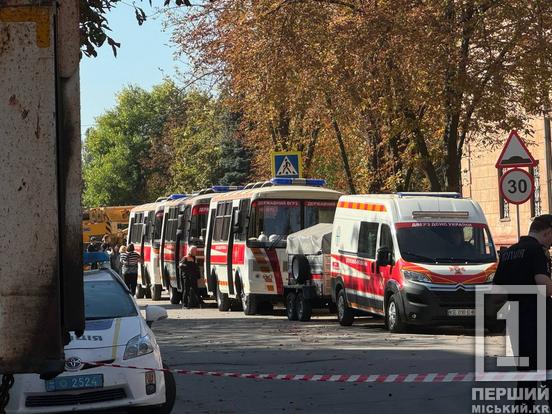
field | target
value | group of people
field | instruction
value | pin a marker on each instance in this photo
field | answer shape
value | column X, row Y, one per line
column 125, row 259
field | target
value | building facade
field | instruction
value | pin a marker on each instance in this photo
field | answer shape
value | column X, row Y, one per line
column 480, row 180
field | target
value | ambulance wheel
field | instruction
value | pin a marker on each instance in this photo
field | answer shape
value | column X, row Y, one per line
column 223, row 301
column 304, row 308
column 174, row 295
column 249, row 303
column 156, row 292
column 291, row 309
column 344, row 313
column 393, row 317
column 140, row 293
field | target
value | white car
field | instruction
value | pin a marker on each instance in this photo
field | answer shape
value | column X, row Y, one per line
column 116, row 333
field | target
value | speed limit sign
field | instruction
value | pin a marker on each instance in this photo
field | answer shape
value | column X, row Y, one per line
column 516, row 186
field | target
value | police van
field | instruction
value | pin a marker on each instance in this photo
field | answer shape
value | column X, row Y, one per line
column 414, row 258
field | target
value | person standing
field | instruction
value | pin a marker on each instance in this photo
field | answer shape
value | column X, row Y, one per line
column 129, row 262
column 527, row 263
column 190, row 274
column 115, row 259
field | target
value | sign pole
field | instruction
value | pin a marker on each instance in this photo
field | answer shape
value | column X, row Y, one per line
column 517, row 219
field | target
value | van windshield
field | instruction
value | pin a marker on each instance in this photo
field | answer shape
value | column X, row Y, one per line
column 439, row 242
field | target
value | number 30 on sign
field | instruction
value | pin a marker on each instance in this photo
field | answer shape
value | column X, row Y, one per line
column 516, row 186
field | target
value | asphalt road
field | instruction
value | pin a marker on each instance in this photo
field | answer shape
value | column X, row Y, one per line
column 206, row 339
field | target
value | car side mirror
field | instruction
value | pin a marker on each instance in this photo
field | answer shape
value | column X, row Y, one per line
column 155, row 313
column 383, row 257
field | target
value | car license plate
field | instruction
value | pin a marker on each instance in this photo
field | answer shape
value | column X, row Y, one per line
column 461, row 312
column 76, row 382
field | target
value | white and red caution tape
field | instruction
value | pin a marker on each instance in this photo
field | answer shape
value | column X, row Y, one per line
column 348, row 378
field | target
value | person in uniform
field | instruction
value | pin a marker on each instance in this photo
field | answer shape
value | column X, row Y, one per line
column 527, row 263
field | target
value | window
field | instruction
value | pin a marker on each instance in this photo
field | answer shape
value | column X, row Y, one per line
column 222, row 221
column 200, row 214
column 171, row 224
column 137, row 228
column 242, row 220
column 504, row 207
column 275, row 218
column 157, row 226
column 149, row 226
column 319, row 212
column 106, row 299
column 367, row 239
column 446, row 243
column 386, row 238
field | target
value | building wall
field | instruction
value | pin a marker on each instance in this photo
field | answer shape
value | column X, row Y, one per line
column 480, row 182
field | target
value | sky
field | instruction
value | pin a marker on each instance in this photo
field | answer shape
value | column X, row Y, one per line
column 145, row 57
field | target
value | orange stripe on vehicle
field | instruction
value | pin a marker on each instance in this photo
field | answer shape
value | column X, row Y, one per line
column 362, row 206
column 222, row 283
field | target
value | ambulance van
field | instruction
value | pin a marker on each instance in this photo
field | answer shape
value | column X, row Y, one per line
column 413, row 258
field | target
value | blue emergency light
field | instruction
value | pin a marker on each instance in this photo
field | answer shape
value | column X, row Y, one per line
column 226, row 188
column 176, row 196
column 311, row 182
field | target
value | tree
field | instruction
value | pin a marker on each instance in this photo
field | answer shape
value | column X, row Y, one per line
column 94, row 25
column 125, row 159
column 395, row 89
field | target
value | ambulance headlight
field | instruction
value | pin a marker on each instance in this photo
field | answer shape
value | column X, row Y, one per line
column 138, row 346
column 415, row 276
column 490, row 277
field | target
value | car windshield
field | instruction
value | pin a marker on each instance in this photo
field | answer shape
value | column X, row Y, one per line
column 445, row 243
column 106, row 299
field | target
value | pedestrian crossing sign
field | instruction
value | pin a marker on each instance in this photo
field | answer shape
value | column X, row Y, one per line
column 287, row 164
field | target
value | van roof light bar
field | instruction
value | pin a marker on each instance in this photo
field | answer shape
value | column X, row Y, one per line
column 428, row 194
column 176, row 196
column 441, row 214
column 226, row 188
column 311, row 182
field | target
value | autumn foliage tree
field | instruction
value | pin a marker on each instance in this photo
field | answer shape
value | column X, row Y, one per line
column 379, row 95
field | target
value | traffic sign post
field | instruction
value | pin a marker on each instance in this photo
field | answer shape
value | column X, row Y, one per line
column 287, row 164
column 516, row 185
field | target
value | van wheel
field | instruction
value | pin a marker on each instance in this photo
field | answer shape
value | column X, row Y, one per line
column 291, row 309
column 140, row 292
column 393, row 317
column 304, row 308
column 175, row 296
column 249, row 303
column 156, row 292
column 344, row 313
column 223, row 301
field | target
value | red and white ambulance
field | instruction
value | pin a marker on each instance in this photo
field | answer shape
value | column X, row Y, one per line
column 245, row 257
column 145, row 232
column 185, row 225
column 412, row 258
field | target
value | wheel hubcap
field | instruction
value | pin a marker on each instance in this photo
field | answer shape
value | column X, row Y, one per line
column 392, row 314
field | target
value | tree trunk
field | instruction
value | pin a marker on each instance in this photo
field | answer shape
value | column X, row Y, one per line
column 342, row 149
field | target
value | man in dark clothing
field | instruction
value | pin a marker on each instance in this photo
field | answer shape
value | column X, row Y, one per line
column 527, row 263
column 93, row 245
column 189, row 271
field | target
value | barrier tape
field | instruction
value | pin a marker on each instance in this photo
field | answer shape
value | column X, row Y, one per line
column 374, row 378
